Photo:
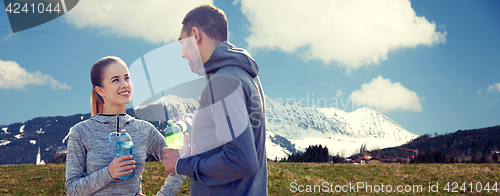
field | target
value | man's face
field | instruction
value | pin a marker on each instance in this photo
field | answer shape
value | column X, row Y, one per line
column 191, row 52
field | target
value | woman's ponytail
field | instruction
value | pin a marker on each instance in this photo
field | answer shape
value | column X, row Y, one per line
column 96, row 103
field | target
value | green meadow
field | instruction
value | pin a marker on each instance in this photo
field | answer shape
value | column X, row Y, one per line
column 296, row 179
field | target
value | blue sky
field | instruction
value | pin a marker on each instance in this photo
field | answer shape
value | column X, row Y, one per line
column 432, row 66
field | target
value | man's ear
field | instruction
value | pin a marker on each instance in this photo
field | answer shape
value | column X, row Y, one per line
column 197, row 33
column 99, row 91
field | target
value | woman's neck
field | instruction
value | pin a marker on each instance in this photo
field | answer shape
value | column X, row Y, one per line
column 114, row 109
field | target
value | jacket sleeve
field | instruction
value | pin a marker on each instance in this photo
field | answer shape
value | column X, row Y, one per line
column 172, row 185
column 77, row 181
column 156, row 142
column 237, row 156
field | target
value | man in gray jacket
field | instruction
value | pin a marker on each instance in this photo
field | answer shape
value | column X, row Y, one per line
column 227, row 154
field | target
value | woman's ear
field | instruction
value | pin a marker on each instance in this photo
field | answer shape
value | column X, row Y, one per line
column 99, row 91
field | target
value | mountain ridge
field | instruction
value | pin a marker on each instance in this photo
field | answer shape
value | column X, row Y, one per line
column 342, row 132
column 290, row 128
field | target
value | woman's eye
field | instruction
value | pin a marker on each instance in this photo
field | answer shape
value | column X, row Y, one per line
column 115, row 80
column 127, row 78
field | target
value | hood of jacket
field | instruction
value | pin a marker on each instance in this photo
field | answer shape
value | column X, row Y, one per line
column 226, row 54
column 110, row 120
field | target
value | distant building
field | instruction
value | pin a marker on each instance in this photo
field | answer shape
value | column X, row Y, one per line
column 363, row 157
column 362, row 151
column 39, row 160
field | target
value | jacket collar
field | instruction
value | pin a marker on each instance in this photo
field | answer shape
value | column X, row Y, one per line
column 111, row 119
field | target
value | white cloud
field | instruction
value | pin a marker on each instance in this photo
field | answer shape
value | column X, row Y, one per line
column 339, row 93
column 9, row 37
column 494, row 87
column 384, row 95
column 151, row 20
column 353, row 33
column 13, row 76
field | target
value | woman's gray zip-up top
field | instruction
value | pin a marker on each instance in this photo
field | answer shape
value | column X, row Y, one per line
column 90, row 152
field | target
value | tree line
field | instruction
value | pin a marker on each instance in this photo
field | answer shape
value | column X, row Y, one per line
column 463, row 146
column 316, row 153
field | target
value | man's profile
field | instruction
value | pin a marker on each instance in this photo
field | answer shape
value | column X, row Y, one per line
column 227, row 155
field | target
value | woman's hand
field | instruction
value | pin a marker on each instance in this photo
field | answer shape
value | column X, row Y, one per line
column 118, row 167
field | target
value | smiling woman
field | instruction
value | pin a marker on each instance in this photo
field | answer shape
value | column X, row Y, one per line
column 93, row 166
column 111, row 86
column 105, row 72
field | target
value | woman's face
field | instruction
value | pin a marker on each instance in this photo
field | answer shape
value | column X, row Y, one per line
column 117, row 88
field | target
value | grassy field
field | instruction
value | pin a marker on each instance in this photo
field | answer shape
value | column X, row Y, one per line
column 295, row 179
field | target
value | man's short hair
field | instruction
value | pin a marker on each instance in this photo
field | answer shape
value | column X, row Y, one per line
column 211, row 20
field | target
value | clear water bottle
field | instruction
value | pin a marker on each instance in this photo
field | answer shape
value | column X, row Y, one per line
column 174, row 134
column 124, row 146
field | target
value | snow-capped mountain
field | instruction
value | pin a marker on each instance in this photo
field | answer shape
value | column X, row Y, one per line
column 342, row 132
column 291, row 128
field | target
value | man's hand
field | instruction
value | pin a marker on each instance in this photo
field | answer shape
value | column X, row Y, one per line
column 171, row 155
column 118, row 167
column 187, row 146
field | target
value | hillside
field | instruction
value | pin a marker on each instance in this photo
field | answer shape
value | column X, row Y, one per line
column 462, row 143
column 19, row 142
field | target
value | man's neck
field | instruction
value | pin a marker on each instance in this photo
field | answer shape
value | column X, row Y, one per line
column 209, row 48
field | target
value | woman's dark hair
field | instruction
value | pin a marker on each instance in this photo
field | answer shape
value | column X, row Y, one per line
column 96, row 77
